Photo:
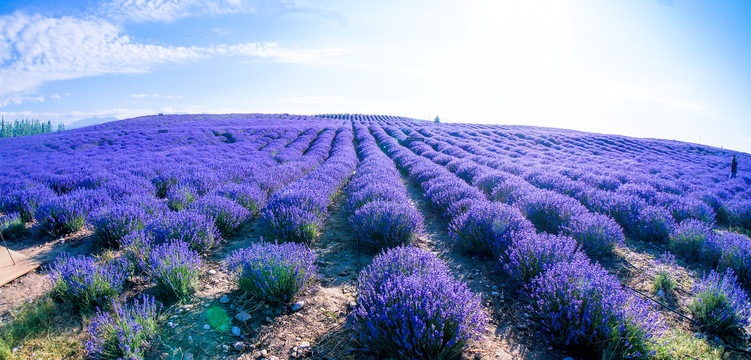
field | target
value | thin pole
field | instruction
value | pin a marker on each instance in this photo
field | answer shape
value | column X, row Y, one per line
column 6, row 248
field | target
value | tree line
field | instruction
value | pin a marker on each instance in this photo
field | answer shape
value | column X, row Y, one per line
column 26, row 127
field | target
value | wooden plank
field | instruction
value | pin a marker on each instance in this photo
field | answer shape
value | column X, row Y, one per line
column 10, row 272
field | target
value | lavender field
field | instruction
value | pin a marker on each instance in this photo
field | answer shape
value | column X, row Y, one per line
column 248, row 236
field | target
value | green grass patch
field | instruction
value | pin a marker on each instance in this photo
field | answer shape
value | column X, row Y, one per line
column 42, row 329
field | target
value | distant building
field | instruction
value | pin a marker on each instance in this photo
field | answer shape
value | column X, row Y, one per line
column 437, row 119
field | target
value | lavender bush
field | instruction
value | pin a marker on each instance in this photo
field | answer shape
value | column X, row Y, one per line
column 12, row 225
column 85, row 282
column 653, row 224
column 530, row 255
column 580, row 307
column 251, row 196
column 384, row 224
column 689, row 237
column 125, row 333
column 663, row 279
column 111, row 223
column 489, row 228
column 410, row 307
column 720, row 305
column 549, row 211
column 66, row 214
column 227, row 214
column 288, row 222
column 194, row 228
column 175, row 268
column 597, row 234
column 273, row 272
column 180, row 197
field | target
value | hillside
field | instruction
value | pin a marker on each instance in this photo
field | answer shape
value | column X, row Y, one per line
column 531, row 242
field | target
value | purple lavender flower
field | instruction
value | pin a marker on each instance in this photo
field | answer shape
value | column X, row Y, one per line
column 582, row 308
column 25, row 201
column 251, row 196
column 384, row 224
column 287, row 222
column 227, row 214
column 720, row 305
column 180, row 197
column 549, row 211
column 530, row 255
column 175, row 268
column 273, row 272
column 66, row 214
column 690, row 238
column 111, row 223
column 597, row 234
column 85, row 282
column 410, row 307
column 194, row 228
column 126, row 333
column 12, row 226
column 489, row 228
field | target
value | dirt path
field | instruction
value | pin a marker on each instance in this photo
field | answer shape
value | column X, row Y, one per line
column 504, row 338
column 36, row 283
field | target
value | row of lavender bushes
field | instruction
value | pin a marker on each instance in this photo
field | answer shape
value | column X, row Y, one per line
column 719, row 306
column 575, row 303
column 161, row 244
column 296, row 212
column 379, row 208
column 546, row 210
column 724, row 201
column 694, row 237
column 62, row 197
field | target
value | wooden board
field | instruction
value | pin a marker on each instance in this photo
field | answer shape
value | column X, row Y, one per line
column 8, row 271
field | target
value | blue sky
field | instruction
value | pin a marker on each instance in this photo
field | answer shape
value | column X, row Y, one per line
column 674, row 69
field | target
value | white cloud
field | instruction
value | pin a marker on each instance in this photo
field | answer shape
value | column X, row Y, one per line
column 35, row 49
column 170, row 10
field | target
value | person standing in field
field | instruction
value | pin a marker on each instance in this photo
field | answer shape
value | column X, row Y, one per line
column 733, row 167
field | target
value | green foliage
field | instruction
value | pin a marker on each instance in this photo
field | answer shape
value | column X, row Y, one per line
column 25, row 127
column 681, row 345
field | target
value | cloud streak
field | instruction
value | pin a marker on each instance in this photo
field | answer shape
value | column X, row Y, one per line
column 36, row 49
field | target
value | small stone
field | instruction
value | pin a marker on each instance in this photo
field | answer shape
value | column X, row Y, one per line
column 243, row 316
column 478, row 356
column 190, row 339
column 352, row 305
column 661, row 293
column 495, row 293
column 297, row 338
column 188, row 356
column 298, row 305
column 268, row 319
column 343, row 273
column 264, row 352
column 207, row 327
column 522, row 326
column 212, row 272
column 206, row 305
column 550, row 348
column 224, row 299
column 239, row 346
column 235, row 331
column 171, row 324
column 304, row 345
column 16, row 348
